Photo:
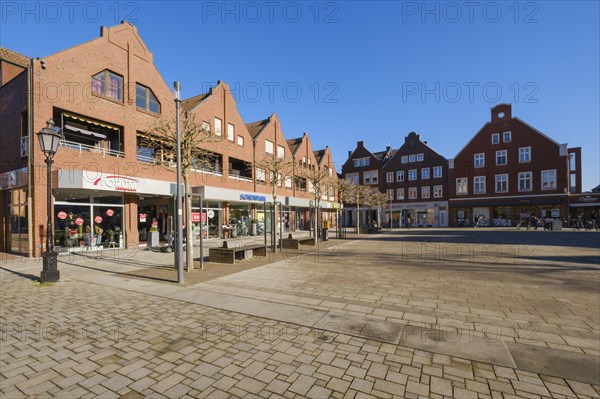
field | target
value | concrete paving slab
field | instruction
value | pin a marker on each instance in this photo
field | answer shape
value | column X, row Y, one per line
column 459, row 344
column 360, row 327
column 556, row 362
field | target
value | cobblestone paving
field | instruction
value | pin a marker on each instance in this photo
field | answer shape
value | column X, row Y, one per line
column 82, row 340
column 513, row 288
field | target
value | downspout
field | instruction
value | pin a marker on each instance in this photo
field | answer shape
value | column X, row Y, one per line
column 30, row 249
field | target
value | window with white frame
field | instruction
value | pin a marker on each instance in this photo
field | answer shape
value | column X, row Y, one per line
column 389, row 177
column 260, row 175
column 524, row 154
column 206, row 126
column 404, row 159
column 412, row 158
column 390, row 194
column 412, row 174
column 230, row 132
column 361, row 162
column 506, row 137
column 502, row 183
column 240, row 140
column 438, row 191
column 420, row 157
column 501, row 158
column 495, row 138
column 288, row 181
column 425, row 192
column 400, row 175
column 370, row 177
column 462, row 186
column 352, row 178
column 525, row 181
column 218, row 127
column 269, row 147
column 479, row 160
column 304, row 161
column 280, row 152
column 412, row 193
column 400, row 193
column 479, row 185
column 549, row 179
column 425, row 173
column 437, row 172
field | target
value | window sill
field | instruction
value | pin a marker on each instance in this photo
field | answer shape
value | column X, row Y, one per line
column 145, row 111
column 112, row 100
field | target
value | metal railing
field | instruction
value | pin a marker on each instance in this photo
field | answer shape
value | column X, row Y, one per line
column 91, row 148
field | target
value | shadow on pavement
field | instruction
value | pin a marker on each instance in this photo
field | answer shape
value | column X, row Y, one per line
column 24, row 275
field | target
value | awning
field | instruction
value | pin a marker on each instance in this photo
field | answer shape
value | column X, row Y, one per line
column 86, row 132
column 90, row 121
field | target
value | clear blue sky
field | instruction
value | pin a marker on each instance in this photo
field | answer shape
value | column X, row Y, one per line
column 350, row 70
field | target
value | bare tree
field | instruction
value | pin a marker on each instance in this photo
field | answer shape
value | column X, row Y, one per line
column 360, row 195
column 319, row 180
column 276, row 171
column 344, row 191
column 195, row 138
column 378, row 200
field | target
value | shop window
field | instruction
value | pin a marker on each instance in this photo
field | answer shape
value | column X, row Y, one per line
column 108, row 84
column 146, row 100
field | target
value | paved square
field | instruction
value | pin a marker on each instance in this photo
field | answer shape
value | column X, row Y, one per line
column 420, row 313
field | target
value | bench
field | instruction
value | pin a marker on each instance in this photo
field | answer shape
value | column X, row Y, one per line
column 227, row 254
column 294, row 243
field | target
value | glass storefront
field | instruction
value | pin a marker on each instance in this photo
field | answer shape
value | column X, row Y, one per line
column 240, row 217
column 502, row 216
column 482, row 214
column 91, row 225
column 17, row 226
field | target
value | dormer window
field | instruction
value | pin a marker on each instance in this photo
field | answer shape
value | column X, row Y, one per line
column 146, row 100
column 108, row 84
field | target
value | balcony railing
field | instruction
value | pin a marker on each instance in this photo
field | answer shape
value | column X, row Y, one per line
column 98, row 150
column 24, row 146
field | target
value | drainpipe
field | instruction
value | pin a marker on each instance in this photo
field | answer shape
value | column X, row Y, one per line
column 30, row 249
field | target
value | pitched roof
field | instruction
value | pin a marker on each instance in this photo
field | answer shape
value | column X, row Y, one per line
column 383, row 155
column 14, row 57
column 294, row 144
column 319, row 154
column 254, row 128
column 192, row 102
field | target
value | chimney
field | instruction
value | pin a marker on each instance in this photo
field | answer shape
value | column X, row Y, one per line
column 349, row 154
column 360, row 143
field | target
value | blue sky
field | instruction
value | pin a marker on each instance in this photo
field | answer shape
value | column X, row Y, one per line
column 350, row 70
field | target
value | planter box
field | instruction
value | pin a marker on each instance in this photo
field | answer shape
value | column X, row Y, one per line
column 153, row 239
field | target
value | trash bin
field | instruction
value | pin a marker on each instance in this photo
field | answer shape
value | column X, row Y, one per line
column 324, row 234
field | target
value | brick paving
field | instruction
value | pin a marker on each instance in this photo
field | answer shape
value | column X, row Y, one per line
column 83, row 340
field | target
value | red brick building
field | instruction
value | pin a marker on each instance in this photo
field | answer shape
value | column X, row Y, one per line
column 511, row 171
column 109, row 185
column 364, row 167
column 415, row 181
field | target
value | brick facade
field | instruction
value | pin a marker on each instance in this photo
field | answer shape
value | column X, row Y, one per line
column 94, row 92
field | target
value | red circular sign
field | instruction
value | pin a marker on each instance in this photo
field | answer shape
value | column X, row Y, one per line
column 62, row 215
column 110, row 212
column 79, row 221
column 98, row 219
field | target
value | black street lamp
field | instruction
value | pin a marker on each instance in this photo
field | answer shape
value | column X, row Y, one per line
column 49, row 142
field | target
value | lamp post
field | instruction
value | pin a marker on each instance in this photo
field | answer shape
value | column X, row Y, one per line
column 179, row 213
column 49, row 141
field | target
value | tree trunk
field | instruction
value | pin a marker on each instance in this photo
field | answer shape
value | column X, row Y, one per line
column 316, row 223
column 189, row 253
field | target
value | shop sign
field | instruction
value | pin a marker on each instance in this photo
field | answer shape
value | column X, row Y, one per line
column 98, row 219
column 62, row 215
column 117, row 183
column 142, row 217
column 252, row 197
column 211, row 214
column 195, row 216
column 110, row 212
column 588, row 198
column 79, row 221
column 554, row 213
